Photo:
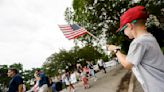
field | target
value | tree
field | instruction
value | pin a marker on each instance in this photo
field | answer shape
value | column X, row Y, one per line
column 28, row 75
column 4, row 79
column 55, row 62
column 59, row 61
column 17, row 66
column 89, row 53
column 99, row 16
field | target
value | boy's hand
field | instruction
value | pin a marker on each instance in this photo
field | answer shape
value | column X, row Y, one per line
column 112, row 47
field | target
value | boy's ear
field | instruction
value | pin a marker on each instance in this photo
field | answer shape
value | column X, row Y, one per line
column 129, row 25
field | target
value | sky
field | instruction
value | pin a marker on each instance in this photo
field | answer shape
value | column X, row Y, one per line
column 29, row 31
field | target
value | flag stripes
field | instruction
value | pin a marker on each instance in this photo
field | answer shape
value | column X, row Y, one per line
column 71, row 32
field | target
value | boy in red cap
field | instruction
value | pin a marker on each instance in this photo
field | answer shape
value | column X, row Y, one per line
column 144, row 57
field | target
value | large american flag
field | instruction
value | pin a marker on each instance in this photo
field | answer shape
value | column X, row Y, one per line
column 72, row 31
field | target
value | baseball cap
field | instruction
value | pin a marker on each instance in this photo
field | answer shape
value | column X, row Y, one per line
column 131, row 16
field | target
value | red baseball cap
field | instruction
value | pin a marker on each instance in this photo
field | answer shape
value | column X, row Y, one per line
column 131, row 15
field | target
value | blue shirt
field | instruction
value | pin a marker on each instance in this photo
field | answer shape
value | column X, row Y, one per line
column 14, row 83
column 43, row 79
column 54, row 87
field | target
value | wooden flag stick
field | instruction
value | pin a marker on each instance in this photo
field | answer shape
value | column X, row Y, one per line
column 93, row 35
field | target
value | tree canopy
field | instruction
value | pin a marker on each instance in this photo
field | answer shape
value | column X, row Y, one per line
column 68, row 59
column 101, row 17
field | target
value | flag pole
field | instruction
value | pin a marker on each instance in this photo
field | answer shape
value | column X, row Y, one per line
column 92, row 35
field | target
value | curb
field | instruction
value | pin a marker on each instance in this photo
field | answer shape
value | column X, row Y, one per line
column 131, row 84
column 119, row 87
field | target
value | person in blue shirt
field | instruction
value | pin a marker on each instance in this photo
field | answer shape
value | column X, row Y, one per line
column 43, row 81
column 54, row 87
column 16, row 83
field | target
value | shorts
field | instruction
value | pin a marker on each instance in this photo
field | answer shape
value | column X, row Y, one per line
column 85, row 80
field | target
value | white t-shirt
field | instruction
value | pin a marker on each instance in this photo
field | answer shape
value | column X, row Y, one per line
column 100, row 62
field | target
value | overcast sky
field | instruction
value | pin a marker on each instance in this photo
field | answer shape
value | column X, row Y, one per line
column 29, row 31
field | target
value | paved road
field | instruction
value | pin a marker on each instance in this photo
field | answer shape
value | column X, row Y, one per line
column 106, row 82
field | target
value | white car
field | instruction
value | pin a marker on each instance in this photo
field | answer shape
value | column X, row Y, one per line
column 107, row 64
column 111, row 63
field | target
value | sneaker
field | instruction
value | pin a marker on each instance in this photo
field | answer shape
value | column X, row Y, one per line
column 95, row 79
column 88, row 86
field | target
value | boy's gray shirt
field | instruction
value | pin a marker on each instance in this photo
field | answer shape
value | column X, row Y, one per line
column 146, row 56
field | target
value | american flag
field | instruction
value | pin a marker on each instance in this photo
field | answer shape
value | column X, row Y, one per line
column 72, row 31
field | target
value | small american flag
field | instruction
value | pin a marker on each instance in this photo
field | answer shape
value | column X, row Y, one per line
column 72, row 31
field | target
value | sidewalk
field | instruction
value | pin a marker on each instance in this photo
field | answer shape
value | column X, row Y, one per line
column 106, row 82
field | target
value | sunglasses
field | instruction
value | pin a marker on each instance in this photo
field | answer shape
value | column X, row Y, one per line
column 125, row 26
